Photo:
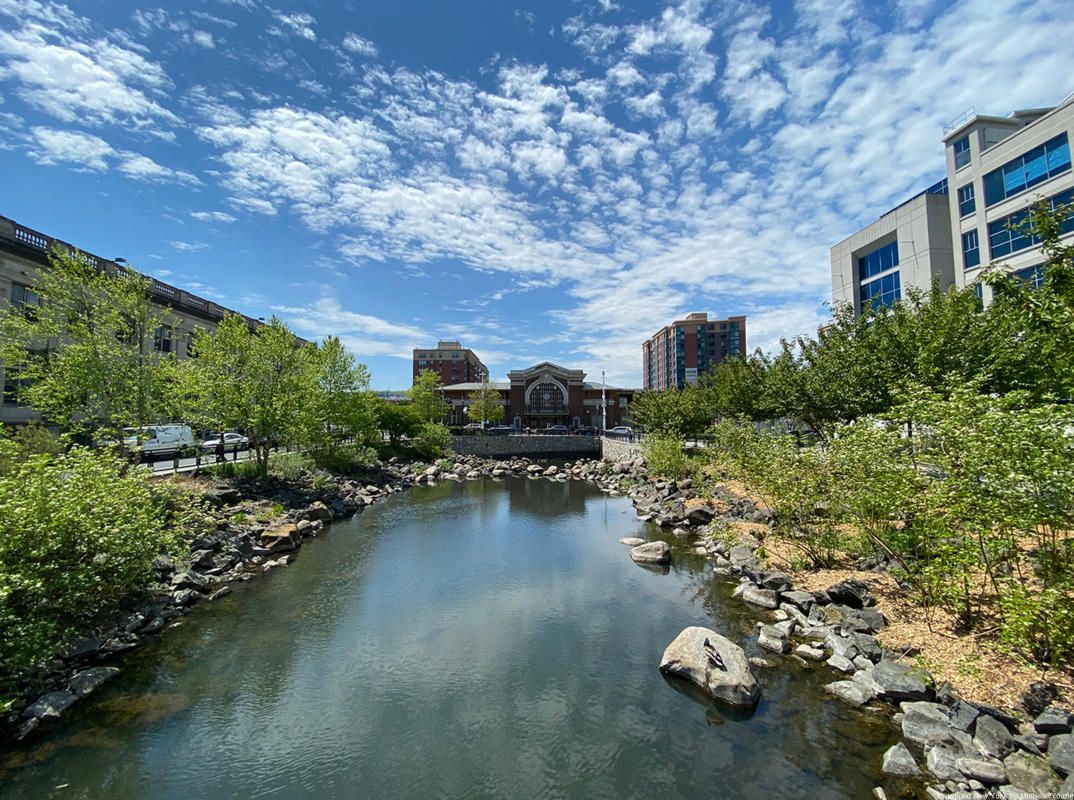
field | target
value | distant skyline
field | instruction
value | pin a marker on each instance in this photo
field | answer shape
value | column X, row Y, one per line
column 541, row 181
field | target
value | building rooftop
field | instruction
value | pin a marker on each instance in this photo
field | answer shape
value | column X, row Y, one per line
column 35, row 246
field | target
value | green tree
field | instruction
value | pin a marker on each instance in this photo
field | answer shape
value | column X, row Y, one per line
column 676, row 412
column 260, row 381
column 86, row 352
column 398, row 420
column 426, row 395
column 342, row 405
column 485, row 404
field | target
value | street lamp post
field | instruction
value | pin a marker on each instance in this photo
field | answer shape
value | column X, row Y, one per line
column 603, row 403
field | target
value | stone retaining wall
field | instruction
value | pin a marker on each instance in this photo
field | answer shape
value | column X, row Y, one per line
column 531, row 446
column 618, row 450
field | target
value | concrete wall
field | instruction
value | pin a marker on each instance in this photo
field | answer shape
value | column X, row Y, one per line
column 530, row 446
column 618, row 450
column 922, row 228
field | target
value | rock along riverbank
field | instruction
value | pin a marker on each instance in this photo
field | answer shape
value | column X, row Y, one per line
column 952, row 744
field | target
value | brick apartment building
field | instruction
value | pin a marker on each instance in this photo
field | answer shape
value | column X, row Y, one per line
column 682, row 351
column 451, row 361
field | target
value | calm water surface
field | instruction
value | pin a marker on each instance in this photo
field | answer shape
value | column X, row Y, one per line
column 484, row 639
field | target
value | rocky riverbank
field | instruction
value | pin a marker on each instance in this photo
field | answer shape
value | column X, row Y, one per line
column 954, row 745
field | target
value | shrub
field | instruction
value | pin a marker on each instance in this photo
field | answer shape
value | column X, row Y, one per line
column 290, row 467
column 346, row 460
column 432, row 440
column 80, row 530
column 664, row 455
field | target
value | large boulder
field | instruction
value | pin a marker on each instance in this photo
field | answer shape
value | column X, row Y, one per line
column 319, row 511
column 651, row 553
column 49, row 706
column 898, row 761
column 220, row 496
column 1054, row 720
column 851, row 592
column 902, row 682
column 702, row 515
column 1061, row 753
column 281, row 538
column 714, row 663
column 89, row 679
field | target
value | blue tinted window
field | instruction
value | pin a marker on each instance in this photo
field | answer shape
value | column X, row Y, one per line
column 967, row 203
column 881, row 259
column 962, row 152
column 1014, row 232
column 971, row 250
column 1034, row 276
column 884, row 291
column 1029, row 169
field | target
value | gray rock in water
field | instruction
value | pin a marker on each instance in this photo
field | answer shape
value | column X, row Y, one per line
column 89, row 679
column 760, row 663
column 902, row 682
column 1030, row 774
column 651, row 553
column 1054, row 720
column 714, row 663
column 809, row 653
column 840, row 663
column 992, row 738
column 631, row 541
column 926, row 723
column 803, row 601
column 941, row 760
column 985, row 770
column 898, row 761
column 190, row 580
column 771, row 638
column 765, row 598
column 49, row 706
column 849, row 692
column 1061, row 753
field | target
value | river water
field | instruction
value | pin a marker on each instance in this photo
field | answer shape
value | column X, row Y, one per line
column 482, row 639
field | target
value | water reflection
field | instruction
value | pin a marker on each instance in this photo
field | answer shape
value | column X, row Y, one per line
column 470, row 639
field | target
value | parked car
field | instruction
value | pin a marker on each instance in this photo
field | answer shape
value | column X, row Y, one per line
column 586, row 430
column 231, row 441
column 500, row 430
column 622, row 430
column 158, row 440
column 557, row 430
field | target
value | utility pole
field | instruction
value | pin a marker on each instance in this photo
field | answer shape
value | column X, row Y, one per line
column 603, row 403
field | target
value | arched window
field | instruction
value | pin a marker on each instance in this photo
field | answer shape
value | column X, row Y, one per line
column 547, row 397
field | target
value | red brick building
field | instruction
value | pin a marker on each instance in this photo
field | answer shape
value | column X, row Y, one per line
column 451, row 361
column 682, row 351
column 543, row 395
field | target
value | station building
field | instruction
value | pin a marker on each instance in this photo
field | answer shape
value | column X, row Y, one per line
column 543, row 395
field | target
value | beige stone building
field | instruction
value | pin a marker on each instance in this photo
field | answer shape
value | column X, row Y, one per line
column 24, row 252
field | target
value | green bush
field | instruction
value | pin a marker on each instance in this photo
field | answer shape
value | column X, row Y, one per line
column 432, row 440
column 290, row 466
column 346, row 460
column 79, row 530
column 664, row 455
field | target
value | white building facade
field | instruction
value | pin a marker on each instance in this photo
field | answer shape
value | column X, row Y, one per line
column 998, row 167
column 908, row 247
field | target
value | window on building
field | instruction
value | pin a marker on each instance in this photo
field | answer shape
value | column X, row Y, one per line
column 1014, row 232
column 14, row 386
column 880, row 260
column 1038, row 165
column 25, row 298
column 962, row 152
column 971, row 250
column 884, row 291
column 547, row 397
column 967, row 203
column 1032, row 276
column 162, row 339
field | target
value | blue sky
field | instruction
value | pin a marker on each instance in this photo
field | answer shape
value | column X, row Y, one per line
column 551, row 180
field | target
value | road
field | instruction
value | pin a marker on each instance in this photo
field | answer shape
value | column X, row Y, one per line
column 190, row 464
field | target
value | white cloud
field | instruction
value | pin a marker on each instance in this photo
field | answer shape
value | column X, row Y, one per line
column 212, row 216
column 95, row 81
column 297, row 24
column 361, row 333
column 55, row 146
column 143, row 168
column 354, row 43
column 189, row 247
column 203, row 39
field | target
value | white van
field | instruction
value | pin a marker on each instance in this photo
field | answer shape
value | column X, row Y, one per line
column 158, row 440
